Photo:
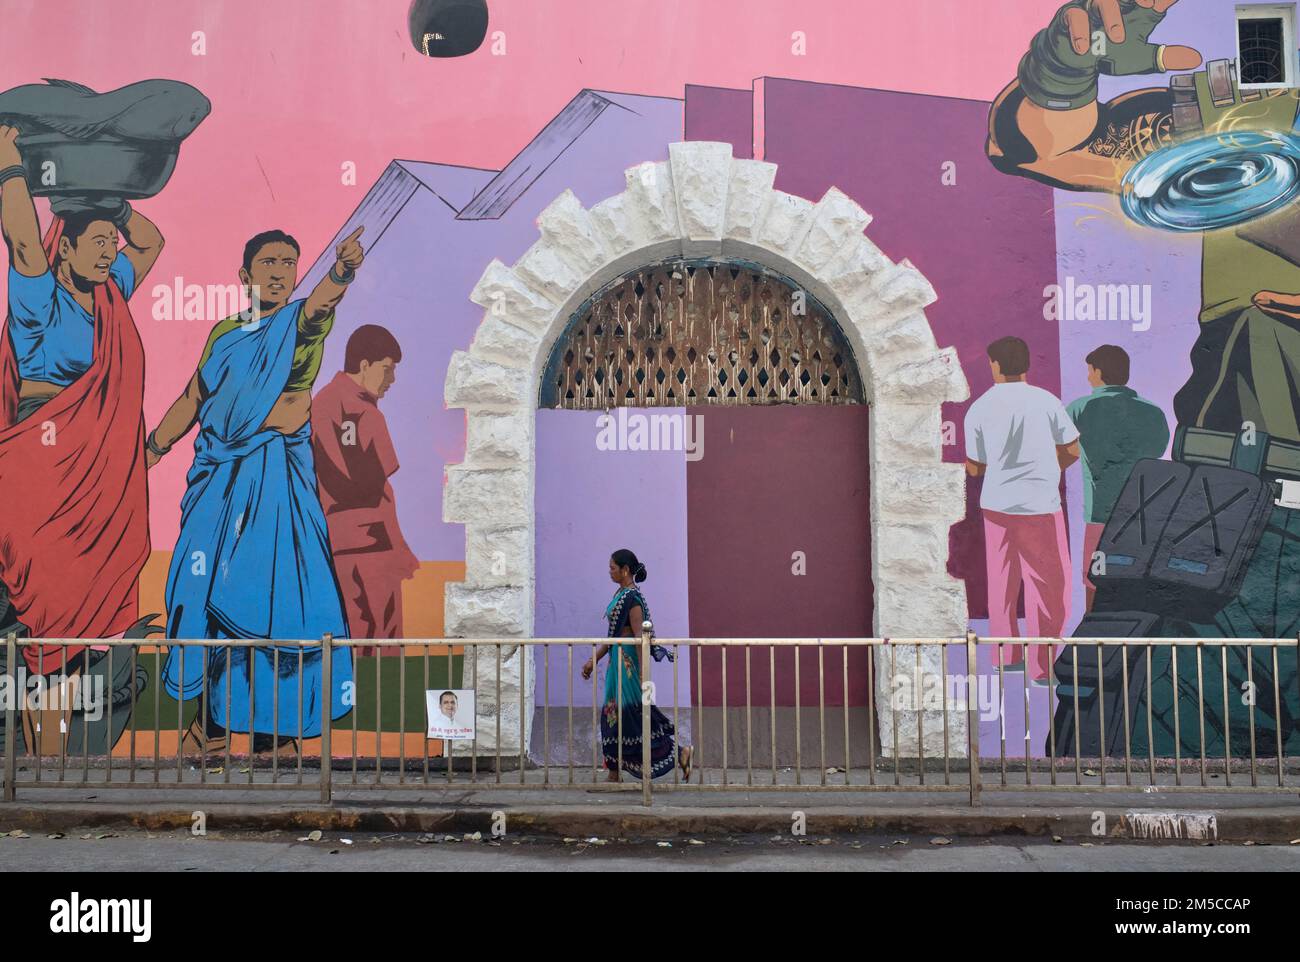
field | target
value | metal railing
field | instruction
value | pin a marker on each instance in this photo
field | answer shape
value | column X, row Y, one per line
column 906, row 737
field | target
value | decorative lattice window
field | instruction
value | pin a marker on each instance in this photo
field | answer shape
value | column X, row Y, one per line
column 700, row 332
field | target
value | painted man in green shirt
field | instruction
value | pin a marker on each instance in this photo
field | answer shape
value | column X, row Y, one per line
column 1117, row 429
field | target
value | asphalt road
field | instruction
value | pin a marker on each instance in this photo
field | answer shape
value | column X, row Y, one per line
column 104, row 850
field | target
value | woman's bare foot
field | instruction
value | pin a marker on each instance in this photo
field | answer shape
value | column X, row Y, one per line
column 612, row 777
column 196, row 741
column 684, row 760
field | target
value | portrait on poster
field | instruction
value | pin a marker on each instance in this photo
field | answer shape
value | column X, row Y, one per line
column 450, row 712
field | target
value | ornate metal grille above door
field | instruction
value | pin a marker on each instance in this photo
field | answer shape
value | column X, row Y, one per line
column 700, row 332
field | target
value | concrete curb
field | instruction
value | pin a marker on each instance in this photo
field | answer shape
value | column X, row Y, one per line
column 583, row 821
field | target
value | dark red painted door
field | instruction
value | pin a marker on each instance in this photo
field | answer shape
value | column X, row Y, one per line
column 779, row 546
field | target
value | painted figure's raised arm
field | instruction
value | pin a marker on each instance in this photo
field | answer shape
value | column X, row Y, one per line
column 22, row 231
column 325, row 297
column 144, row 242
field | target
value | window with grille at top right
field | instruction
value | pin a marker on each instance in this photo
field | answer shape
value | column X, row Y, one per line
column 1266, row 46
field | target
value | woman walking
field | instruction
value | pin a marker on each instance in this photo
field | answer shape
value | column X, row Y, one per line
column 620, row 718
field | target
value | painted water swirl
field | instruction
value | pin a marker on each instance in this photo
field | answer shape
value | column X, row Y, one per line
column 1211, row 182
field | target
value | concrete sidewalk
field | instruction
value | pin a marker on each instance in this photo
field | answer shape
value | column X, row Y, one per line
column 582, row 813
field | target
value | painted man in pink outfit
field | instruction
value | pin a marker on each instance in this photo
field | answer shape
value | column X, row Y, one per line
column 354, row 460
column 1020, row 439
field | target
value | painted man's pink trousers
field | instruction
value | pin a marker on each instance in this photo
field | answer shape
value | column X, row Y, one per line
column 1028, row 549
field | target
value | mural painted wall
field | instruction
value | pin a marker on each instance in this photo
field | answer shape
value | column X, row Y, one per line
column 242, row 244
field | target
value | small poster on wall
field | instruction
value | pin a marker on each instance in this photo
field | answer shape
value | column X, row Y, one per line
column 450, row 712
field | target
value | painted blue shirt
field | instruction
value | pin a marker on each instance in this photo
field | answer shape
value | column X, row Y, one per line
column 53, row 335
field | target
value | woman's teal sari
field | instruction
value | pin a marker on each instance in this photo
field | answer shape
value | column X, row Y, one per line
column 621, row 718
column 624, row 669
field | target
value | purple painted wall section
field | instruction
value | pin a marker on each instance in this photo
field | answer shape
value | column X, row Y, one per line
column 989, row 263
column 427, row 261
column 722, row 115
column 589, row 504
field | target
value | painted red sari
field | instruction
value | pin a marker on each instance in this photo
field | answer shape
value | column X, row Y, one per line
column 74, row 513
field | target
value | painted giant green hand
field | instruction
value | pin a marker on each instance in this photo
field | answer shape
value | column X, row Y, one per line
column 1087, row 38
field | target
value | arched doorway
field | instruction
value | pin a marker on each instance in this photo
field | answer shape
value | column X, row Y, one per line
column 757, row 510
column 703, row 204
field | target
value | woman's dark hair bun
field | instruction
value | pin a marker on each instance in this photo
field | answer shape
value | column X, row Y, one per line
column 624, row 558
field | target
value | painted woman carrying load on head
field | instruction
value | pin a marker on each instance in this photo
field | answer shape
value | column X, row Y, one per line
column 620, row 716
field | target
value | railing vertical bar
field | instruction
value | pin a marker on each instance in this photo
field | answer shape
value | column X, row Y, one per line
column 698, row 732
column 1002, row 715
column 356, row 709
column 943, row 695
column 180, row 721
column 1078, row 769
column 771, row 711
column 1024, row 681
column 157, row 719
column 798, row 722
column 86, row 742
column 1151, row 743
column 1250, row 687
column 379, row 714
column 275, row 710
column 326, row 718
column 918, row 703
column 251, row 652
column 1128, row 766
column 524, row 653
column 401, row 716
column 677, row 724
column 327, row 707
column 424, row 735
column 135, row 710
column 726, row 710
column 597, row 738
column 108, row 697
column 871, row 716
column 647, row 686
column 473, row 745
column 546, row 715
column 62, row 703
column 203, row 718
column 449, row 744
column 749, row 723
column 569, row 745
column 893, row 708
column 1277, row 714
column 1200, row 706
column 973, row 721
column 821, row 704
column 1178, row 733
column 225, row 771
column 616, row 657
column 1227, row 727
column 844, row 666
column 1053, row 695
column 499, row 707
column 36, row 721
column 1101, row 714
column 12, row 716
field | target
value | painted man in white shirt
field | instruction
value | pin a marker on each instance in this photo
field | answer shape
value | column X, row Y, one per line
column 1020, row 439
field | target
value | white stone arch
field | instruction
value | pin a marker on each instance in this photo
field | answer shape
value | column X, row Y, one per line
column 702, row 202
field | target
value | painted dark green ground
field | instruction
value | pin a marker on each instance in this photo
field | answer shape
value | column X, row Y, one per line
column 384, row 691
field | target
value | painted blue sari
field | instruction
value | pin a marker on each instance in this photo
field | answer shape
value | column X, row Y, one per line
column 252, row 559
